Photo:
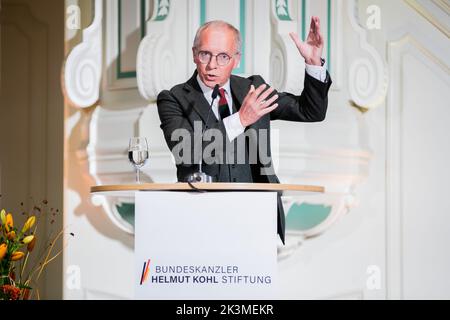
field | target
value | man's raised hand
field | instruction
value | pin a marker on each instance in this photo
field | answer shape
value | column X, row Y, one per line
column 312, row 48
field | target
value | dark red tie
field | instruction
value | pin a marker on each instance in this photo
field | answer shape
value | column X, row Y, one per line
column 224, row 110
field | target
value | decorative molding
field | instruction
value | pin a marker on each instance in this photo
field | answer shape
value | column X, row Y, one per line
column 117, row 79
column 433, row 18
column 443, row 4
column 278, row 67
column 119, row 73
column 340, row 203
column 339, row 170
column 329, row 34
column 393, row 179
column 396, row 50
column 106, row 154
column 83, row 66
column 284, row 54
column 282, row 10
column 156, row 63
column 335, row 42
column 303, row 19
column 368, row 79
column 109, row 206
column 108, row 161
column 162, row 8
column 346, row 169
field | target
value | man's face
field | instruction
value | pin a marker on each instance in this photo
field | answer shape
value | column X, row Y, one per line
column 216, row 41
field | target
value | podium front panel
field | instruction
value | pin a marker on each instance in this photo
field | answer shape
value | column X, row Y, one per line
column 213, row 245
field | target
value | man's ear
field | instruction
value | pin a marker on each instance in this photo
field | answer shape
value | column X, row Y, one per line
column 193, row 54
column 237, row 59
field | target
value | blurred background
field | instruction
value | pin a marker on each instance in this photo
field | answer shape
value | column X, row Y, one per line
column 80, row 77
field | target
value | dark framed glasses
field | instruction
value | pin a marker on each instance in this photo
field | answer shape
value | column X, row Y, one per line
column 222, row 58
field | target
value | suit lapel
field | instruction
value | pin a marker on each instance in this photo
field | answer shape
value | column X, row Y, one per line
column 239, row 88
column 196, row 98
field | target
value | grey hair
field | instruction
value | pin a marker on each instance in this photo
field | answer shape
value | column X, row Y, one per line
column 218, row 24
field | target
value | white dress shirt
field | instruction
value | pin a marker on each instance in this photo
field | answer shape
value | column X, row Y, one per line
column 232, row 123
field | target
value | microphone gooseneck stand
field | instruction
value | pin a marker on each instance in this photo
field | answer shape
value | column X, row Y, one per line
column 201, row 176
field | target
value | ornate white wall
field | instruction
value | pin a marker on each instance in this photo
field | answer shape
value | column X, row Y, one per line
column 145, row 46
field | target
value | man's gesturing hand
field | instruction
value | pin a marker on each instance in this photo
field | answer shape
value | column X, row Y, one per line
column 255, row 105
column 312, row 48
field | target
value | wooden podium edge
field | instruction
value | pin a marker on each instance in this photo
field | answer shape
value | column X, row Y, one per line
column 216, row 186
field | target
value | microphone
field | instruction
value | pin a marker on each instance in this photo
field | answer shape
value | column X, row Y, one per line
column 201, row 176
column 215, row 92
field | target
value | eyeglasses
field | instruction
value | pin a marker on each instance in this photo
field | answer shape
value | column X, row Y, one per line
column 222, row 58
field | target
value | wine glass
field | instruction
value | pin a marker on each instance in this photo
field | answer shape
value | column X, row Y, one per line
column 138, row 154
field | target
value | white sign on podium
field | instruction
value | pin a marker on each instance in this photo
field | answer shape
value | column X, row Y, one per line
column 213, row 245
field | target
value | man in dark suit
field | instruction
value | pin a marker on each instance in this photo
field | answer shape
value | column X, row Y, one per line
column 242, row 112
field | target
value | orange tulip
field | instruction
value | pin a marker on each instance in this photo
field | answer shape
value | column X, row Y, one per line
column 11, row 235
column 29, row 224
column 9, row 223
column 30, row 246
column 28, row 239
column 3, row 249
column 3, row 216
column 17, row 255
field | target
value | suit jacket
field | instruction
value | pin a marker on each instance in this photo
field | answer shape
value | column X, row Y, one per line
column 185, row 104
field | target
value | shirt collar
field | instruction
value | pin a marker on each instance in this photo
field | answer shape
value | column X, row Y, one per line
column 207, row 91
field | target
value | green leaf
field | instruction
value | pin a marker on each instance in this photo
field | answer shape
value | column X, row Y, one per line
column 22, row 286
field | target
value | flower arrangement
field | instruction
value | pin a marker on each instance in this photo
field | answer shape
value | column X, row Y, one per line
column 19, row 269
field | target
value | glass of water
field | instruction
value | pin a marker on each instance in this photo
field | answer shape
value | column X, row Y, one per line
column 138, row 154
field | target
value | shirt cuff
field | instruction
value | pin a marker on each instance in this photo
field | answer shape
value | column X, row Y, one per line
column 317, row 72
column 233, row 126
